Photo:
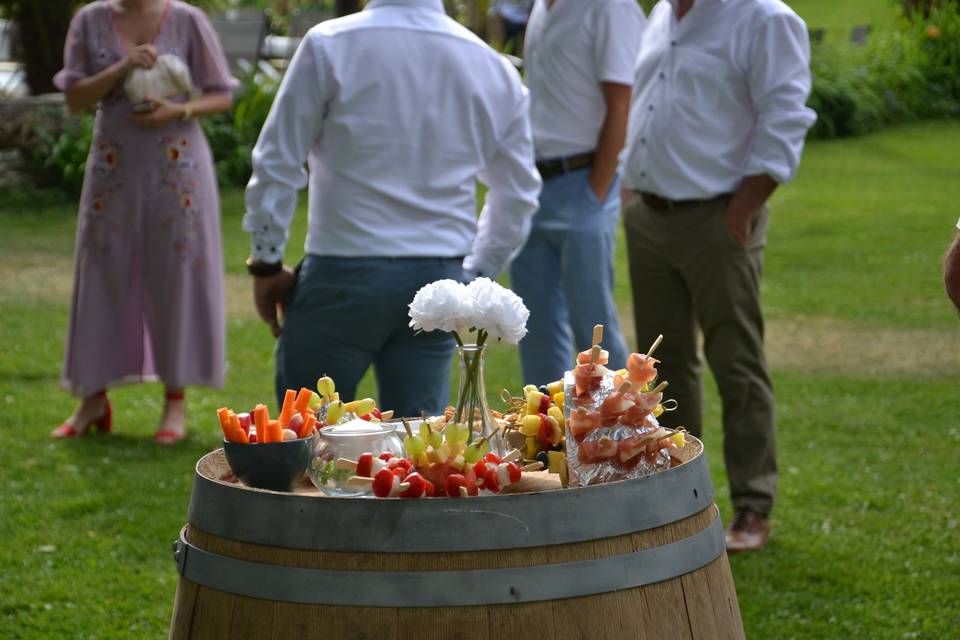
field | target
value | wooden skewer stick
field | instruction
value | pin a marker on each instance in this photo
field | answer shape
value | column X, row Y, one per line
column 656, row 343
column 533, row 466
column 597, row 333
column 345, row 463
column 595, row 354
column 512, row 456
column 660, row 387
column 361, row 481
column 406, row 426
column 626, row 386
column 463, row 492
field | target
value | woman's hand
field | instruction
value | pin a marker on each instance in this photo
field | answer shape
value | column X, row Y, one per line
column 164, row 112
column 144, row 57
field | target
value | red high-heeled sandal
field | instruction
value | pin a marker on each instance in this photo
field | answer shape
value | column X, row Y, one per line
column 169, row 436
column 103, row 424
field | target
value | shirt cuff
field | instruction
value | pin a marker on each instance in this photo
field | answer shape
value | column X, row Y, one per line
column 268, row 240
column 474, row 267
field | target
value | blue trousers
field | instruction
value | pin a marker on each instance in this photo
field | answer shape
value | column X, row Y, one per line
column 346, row 314
column 564, row 274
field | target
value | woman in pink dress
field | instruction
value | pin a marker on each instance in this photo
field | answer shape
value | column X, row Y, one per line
column 148, row 298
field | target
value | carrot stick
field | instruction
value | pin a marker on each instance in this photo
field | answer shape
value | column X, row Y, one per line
column 239, row 435
column 260, row 418
column 273, row 431
column 303, row 400
column 286, row 411
column 307, row 428
column 224, row 414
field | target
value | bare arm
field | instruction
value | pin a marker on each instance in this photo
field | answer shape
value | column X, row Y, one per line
column 613, row 133
column 87, row 92
column 747, row 200
column 951, row 271
column 206, row 105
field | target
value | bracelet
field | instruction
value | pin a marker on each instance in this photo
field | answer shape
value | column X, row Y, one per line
column 260, row 269
column 187, row 113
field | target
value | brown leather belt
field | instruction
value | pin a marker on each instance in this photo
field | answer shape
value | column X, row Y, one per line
column 558, row 166
column 664, row 205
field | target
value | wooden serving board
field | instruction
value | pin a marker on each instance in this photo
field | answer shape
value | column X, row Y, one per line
column 216, row 468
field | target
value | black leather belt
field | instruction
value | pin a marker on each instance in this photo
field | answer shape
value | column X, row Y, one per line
column 554, row 167
column 663, row 205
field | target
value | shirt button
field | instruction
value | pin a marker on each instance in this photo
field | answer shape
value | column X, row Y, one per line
column 643, row 141
column 650, row 108
column 673, row 43
column 662, row 75
column 643, row 174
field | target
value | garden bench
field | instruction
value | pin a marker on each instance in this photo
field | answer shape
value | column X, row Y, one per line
column 241, row 34
column 859, row 34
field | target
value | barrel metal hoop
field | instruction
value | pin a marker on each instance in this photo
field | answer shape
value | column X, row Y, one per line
column 450, row 588
column 511, row 521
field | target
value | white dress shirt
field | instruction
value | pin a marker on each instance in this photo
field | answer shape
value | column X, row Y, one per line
column 718, row 96
column 569, row 49
column 398, row 110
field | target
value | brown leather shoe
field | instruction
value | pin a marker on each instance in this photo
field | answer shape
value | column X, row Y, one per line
column 749, row 531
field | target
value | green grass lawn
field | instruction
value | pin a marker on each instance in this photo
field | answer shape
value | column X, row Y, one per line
column 865, row 351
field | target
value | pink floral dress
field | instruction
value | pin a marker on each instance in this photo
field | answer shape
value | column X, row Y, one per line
column 148, row 296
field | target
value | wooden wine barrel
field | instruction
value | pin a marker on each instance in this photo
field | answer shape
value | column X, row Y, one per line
column 635, row 559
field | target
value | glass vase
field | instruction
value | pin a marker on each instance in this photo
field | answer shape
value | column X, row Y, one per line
column 472, row 398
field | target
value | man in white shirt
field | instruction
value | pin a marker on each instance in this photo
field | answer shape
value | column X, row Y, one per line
column 717, row 121
column 397, row 110
column 579, row 60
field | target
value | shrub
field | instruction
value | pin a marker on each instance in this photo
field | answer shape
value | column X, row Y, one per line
column 905, row 74
column 60, row 160
column 233, row 133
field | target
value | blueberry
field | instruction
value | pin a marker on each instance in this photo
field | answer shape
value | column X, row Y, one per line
column 544, row 458
column 543, row 389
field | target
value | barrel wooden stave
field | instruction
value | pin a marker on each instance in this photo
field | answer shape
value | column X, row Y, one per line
column 700, row 604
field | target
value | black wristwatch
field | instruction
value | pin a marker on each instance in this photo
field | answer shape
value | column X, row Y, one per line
column 259, row 268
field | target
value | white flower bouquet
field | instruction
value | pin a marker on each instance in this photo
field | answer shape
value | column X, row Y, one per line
column 483, row 309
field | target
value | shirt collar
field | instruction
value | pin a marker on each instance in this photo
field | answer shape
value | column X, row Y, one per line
column 673, row 3
column 436, row 5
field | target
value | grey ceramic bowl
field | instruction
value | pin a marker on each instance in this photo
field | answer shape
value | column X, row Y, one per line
column 276, row 465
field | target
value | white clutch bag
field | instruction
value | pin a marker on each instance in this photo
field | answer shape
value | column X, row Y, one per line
column 169, row 77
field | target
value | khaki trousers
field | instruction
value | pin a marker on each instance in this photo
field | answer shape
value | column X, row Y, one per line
column 688, row 275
